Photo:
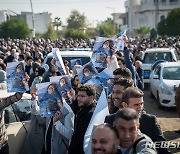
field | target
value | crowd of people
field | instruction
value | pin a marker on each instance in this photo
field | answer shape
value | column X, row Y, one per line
column 127, row 129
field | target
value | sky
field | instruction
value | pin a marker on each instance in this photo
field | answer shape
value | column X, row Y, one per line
column 95, row 10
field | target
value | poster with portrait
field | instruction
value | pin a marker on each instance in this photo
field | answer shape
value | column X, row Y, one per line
column 102, row 52
column 64, row 85
column 15, row 74
column 74, row 62
column 106, row 78
column 58, row 61
column 86, row 72
column 98, row 86
column 49, row 98
column 120, row 40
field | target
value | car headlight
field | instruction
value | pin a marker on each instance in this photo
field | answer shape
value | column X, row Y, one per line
column 165, row 90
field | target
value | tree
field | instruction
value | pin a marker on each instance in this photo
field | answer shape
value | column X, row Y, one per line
column 50, row 33
column 170, row 25
column 106, row 28
column 15, row 29
column 142, row 31
column 75, row 34
column 76, row 20
column 57, row 23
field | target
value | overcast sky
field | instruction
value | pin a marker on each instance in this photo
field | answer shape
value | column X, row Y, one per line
column 94, row 10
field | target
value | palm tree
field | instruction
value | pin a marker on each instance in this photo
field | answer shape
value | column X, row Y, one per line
column 57, row 23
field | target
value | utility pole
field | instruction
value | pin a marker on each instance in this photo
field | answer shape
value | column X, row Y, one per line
column 156, row 12
column 33, row 31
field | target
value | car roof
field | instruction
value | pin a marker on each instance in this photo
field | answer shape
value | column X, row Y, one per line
column 77, row 53
column 5, row 94
column 159, row 49
column 167, row 64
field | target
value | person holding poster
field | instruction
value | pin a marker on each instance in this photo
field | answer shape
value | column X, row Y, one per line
column 86, row 102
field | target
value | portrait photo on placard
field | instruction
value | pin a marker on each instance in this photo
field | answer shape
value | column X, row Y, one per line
column 98, row 86
column 74, row 62
column 64, row 85
column 49, row 98
column 15, row 74
column 86, row 72
column 103, row 52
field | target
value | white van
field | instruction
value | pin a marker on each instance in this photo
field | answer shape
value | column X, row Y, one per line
column 152, row 55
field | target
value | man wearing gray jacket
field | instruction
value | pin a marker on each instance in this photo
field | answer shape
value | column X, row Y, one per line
column 131, row 139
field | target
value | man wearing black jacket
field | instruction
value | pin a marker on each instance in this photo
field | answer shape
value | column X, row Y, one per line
column 87, row 104
column 132, row 97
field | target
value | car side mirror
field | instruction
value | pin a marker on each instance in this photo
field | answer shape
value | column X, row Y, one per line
column 156, row 77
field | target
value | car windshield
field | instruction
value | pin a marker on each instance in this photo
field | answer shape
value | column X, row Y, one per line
column 171, row 73
column 83, row 60
column 150, row 58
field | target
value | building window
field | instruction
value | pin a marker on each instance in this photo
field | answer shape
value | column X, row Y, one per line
column 162, row 17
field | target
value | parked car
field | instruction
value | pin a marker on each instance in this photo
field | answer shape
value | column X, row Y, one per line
column 150, row 56
column 82, row 53
column 17, row 120
column 162, row 81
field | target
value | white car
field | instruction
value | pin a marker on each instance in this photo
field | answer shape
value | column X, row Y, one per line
column 84, row 54
column 17, row 120
column 162, row 81
column 152, row 55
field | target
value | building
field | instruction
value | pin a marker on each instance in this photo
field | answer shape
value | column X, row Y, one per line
column 41, row 20
column 147, row 12
column 4, row 15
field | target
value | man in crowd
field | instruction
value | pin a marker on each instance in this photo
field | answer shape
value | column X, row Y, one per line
column 131, row 139
column 105, row 139
column 122, row 72
column 118, row 88
column 87, row 104
column 132, row 97
column 28, row 67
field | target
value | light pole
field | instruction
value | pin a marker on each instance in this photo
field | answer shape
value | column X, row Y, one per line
column 33, row 31
column 156, row 12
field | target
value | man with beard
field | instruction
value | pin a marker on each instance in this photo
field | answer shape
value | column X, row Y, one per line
column 105, row 140
column 86, row 103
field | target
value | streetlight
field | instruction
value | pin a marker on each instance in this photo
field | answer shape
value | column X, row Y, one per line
column 33, row 31
column 156, row 12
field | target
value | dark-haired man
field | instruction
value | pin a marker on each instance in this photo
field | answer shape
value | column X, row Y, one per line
column 132, row 97
column 131, row 139
column 87, row 104
column 119, row 86
column 122, row 72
